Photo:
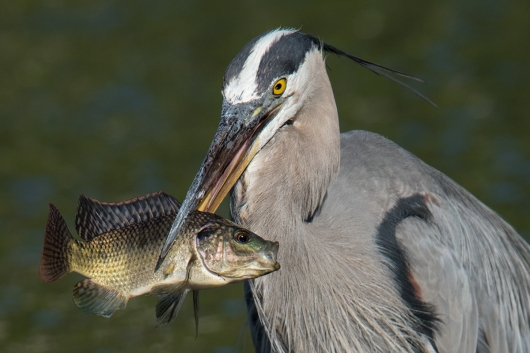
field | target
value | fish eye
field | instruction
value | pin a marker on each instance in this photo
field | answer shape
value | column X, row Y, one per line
column 279, row 87
column 242, row 237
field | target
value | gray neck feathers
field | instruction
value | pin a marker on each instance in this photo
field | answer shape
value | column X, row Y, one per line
column 290, row 176
column 284, row 185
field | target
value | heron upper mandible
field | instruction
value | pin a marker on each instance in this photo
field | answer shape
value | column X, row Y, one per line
column 379, row 251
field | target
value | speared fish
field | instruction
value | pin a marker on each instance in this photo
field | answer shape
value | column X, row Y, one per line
column 120, row 247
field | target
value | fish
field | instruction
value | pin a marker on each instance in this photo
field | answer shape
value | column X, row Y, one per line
column 119, row 248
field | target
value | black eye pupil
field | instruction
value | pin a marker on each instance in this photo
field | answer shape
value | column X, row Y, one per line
column 278, row 86
column 242, row 237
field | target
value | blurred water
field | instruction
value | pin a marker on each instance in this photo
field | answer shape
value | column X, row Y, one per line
column 118, row 99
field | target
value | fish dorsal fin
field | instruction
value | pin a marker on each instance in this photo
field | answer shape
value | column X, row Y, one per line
column 94, row 217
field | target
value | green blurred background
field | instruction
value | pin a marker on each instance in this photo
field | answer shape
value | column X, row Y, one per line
column 116, row 99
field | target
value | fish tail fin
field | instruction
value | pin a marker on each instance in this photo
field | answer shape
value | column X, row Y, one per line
column 55, row 258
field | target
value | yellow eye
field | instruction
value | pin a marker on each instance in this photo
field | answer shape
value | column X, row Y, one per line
column 279, row 87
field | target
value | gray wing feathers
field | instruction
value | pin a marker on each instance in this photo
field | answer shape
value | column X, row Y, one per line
column 469, row 262
column 444, row 284
column 494, row 256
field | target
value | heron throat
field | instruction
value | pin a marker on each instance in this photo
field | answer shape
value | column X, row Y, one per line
column 287, row 180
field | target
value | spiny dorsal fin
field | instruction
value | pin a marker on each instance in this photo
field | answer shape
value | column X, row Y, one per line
column 94, row 217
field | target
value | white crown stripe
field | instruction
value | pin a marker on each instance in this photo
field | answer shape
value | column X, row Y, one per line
column 242, row 88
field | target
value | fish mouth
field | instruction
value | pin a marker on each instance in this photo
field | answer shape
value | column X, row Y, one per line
column 247, row 266
column 265, row 263
column 249, row 272
column 235, row 144
column 270, row 253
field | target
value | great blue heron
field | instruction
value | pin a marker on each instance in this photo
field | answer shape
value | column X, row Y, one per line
column 379, row 251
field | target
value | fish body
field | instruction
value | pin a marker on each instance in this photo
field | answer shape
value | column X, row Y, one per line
column 120, row 247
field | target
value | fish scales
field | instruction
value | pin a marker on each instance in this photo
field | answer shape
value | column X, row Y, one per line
column 125, row 258
column 120, row 246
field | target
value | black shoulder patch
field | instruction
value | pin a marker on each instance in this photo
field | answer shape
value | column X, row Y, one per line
column 94, row 217
column 284, row 57
column 413, row 206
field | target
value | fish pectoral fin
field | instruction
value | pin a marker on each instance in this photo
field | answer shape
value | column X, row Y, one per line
column 93, row 298
column 166, row 288
column 168, row 306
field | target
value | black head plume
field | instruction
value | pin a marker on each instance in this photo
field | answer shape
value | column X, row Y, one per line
column 375, row 68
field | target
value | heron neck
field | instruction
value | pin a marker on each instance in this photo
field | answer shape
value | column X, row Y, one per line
column 288, row 179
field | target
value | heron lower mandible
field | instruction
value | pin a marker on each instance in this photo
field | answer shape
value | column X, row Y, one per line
column 379, row 251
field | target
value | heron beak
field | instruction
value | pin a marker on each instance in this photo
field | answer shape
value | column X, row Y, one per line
column 216, row 194
column 235, row 144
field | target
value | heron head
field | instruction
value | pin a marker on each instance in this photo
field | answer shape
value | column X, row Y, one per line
column 265, row 87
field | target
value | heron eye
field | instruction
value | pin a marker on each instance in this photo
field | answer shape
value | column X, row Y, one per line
column 242, row 237
column 279, row 87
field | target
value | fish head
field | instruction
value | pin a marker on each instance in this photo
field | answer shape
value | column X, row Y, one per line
column 233, row 252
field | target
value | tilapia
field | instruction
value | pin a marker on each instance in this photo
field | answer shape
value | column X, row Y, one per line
column 120, row 247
